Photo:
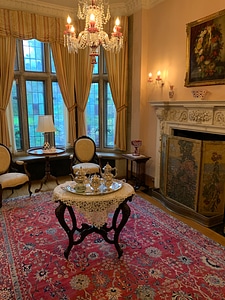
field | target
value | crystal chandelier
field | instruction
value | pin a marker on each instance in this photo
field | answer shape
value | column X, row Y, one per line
column 93, row 12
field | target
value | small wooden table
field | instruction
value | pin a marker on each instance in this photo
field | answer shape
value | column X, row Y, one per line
column 95, row 209
column 139, row 177
column 46, row 154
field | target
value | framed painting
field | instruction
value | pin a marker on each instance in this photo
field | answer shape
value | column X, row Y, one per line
column 205, row 61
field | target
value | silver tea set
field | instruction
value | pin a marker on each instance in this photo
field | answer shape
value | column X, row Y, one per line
column 105, row 179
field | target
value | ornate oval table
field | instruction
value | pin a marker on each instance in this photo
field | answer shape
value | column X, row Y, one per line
column 95, row 209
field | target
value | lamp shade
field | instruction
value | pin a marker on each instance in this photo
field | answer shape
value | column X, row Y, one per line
column 45, row 124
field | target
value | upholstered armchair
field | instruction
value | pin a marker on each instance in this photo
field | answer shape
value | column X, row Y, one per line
column 84, row 155
column 10, row 178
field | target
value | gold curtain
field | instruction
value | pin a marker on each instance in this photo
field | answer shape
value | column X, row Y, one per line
column 117, row 66
column 22, row 25
column 7, row 58
column 83, row 79
column 65, row 66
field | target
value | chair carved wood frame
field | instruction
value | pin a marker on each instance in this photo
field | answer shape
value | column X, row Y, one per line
column 85, row 157
column 10, row 177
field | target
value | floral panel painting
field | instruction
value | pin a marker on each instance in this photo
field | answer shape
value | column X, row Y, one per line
column 183, row 170
column 206, row 51
column 212, row 196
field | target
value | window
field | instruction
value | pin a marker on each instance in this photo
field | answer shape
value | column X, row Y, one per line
column 36, row 92
column 100, row 110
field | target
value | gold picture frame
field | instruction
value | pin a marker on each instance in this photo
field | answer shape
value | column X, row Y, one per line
column 205, row 60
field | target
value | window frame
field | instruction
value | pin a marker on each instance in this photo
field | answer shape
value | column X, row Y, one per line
column 102, row 79
column 20, row 78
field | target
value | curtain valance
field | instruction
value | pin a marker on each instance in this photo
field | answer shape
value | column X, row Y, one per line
column 25, row 25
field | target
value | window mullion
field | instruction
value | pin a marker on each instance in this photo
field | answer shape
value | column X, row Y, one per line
column 22, row 91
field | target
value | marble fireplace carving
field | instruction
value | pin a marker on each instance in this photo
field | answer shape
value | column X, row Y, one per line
column 198, row 117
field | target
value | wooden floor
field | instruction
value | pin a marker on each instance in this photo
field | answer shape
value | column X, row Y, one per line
column 50, row 185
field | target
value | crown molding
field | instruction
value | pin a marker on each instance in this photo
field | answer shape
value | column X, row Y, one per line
column 56, row 9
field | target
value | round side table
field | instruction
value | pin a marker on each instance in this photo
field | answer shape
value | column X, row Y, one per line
column 46, row 154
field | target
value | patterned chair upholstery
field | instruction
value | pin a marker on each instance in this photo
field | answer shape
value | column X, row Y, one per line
column 9, row 177
column 84, row 156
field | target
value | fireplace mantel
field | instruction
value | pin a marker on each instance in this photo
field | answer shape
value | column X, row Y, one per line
column 197, row 115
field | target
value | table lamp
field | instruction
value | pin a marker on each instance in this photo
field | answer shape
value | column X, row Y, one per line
column 45, row 125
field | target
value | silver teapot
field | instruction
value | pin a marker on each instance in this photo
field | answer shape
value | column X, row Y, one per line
column 108, row 176
column 80, row 180
column 95, row 182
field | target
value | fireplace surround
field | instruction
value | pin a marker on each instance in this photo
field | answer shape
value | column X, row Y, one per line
column 198, row 123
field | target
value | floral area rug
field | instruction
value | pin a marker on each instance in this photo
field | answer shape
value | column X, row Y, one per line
column 162, row 257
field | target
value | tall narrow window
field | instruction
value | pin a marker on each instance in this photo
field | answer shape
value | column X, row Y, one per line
column 35, row 108
column 36, row 92
column 92, row 113
column 100, row 110
column 58, row 112
column 110, row 118
column 16, row 116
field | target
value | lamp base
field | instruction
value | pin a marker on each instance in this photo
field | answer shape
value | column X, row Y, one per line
column 46, row 146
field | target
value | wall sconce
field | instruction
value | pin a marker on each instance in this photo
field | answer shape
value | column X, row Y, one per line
column 158, row 79
column 150, row 77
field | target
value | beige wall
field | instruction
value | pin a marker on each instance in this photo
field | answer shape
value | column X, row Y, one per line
column 160, row 34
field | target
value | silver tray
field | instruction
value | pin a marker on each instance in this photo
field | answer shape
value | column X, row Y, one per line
column 115, row 186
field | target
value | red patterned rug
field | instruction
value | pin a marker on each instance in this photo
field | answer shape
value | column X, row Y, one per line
column 162, row 259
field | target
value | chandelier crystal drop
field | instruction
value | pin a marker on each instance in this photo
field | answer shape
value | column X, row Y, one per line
column 93, row 35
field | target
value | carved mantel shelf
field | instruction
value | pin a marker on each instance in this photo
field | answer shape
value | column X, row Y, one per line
column 189, row 103
column 195, row 115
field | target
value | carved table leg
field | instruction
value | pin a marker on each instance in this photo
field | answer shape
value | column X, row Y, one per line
column 124, row 207
column 59, row 212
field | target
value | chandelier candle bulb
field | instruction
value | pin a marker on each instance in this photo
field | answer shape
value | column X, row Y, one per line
column 92, row 20
column 69, row 20
column 117, row 28
column 69, row 27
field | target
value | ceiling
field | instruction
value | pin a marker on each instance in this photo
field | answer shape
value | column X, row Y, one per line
column 63, row 7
